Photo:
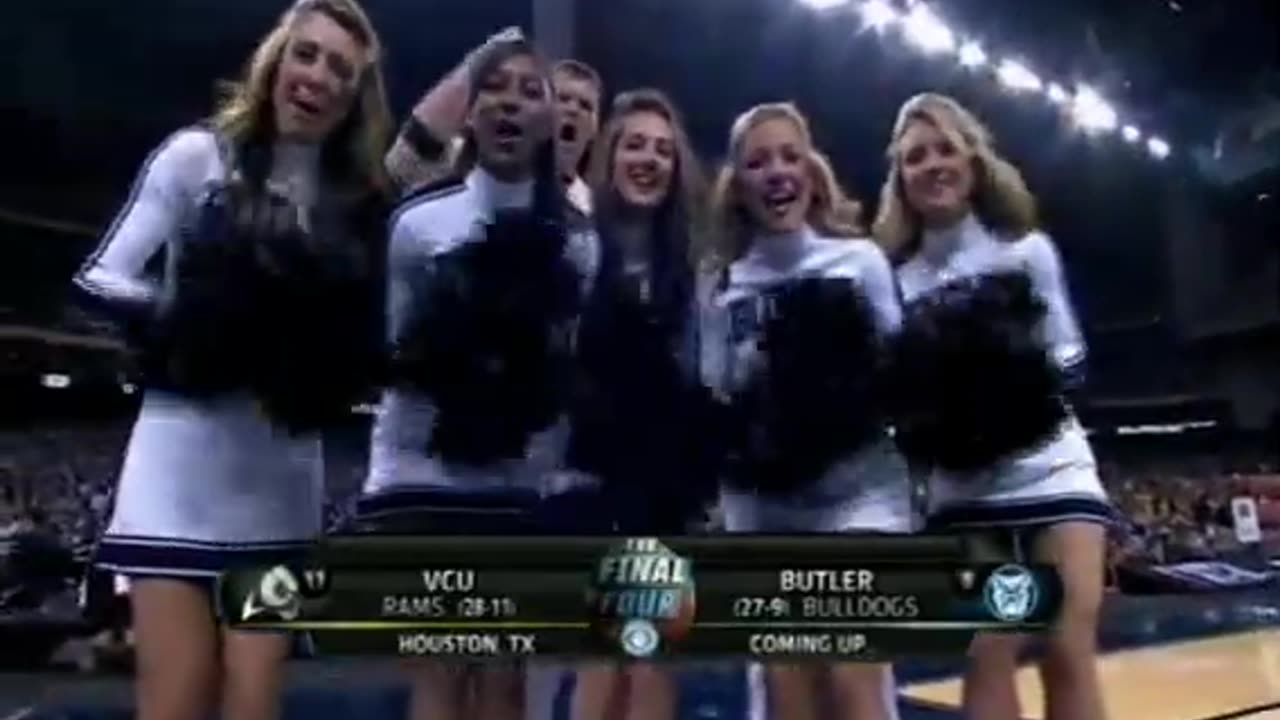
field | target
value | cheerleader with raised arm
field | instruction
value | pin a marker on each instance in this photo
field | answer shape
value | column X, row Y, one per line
column 486, row 278
column 262, row 327
column 640, row 411
column 795, row 334
column 427, row 149
column 989, row 352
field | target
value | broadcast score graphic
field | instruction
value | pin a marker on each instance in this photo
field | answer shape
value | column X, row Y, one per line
column 844, row 597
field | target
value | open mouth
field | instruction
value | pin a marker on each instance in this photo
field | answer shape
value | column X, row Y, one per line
column 781, row 199
column 568, row 132
column 305, row 103
column 938, row 183
column 508, row 131
column 643, row 178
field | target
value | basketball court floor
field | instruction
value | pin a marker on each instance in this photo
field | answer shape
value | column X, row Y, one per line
column 1232, row 675
column 1206, row 657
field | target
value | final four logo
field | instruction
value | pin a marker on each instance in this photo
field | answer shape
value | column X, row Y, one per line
column 641, row 595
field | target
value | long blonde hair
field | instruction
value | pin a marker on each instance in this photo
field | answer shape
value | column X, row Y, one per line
column 832, row 212
column 356, row 149
column 1000, row 199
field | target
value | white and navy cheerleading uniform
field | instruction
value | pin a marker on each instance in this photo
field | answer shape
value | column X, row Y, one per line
column 793, row 338
column 448, row 424
column 211, row 477
column 991, row 348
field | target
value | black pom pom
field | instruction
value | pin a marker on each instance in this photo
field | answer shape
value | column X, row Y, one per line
column 492, row 347
column 320, row 301
column 818, row 399
column 638, row 417
column 627, row 384
column 197, row 342
column 252, row 303
column 973, row 380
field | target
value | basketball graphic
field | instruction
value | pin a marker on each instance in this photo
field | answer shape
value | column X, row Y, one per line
column 642, row 597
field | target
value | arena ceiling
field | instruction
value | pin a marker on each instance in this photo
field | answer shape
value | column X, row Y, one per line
column 97, row 84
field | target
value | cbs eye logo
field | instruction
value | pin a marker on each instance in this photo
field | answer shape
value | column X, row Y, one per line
column 278, row 594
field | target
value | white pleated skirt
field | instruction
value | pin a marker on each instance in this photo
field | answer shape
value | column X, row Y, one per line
column 209, row 485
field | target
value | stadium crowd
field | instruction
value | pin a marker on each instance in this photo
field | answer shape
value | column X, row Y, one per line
column 56, row 484
column 58, row 479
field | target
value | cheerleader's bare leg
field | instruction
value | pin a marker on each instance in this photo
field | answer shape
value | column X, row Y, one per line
column 253, row 672
column 501, row 693
column 1069, row 669
column 176, row 641
column 989, row 689
column 596, row 691
column 858, row 692
column 1072, row 690
column 437, row 690
column 651, row 693
column 793, row 691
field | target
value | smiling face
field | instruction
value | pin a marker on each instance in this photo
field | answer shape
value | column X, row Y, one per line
column 937, row 173
column 774, row 182
column 509, row 117
column 316, row 79
column 644, row 160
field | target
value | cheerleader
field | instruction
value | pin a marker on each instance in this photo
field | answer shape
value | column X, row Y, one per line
column 266, row 219
column 485, row 282
column 793, row 345
column 989, row 349
column 427, row 148
column 638, row 418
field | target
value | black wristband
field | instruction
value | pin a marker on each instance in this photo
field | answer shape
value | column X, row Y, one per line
column 424, row 143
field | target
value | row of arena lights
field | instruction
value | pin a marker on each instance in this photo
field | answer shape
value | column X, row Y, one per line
column 925, row 30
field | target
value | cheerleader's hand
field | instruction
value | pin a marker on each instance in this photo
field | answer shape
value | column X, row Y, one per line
column 443, row 108
column 509, row 34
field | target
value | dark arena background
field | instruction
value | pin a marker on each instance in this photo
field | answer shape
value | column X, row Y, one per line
column 1166, row 212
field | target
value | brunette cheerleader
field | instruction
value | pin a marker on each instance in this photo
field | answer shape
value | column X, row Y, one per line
column 486, row 280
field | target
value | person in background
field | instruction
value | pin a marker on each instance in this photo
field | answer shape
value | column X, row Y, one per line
column 796, row 326
column 427, row 148
column 989, row 353
column 261, row 329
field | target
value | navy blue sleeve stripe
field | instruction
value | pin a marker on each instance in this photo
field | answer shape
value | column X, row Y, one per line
column 134, row 193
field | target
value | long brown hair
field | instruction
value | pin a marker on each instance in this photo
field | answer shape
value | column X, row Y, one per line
column 689, row 188
column 1001, row 199
column 354, row 153
column 678, row 220
column 832, row 212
